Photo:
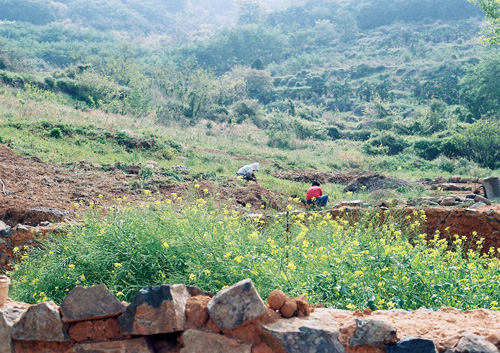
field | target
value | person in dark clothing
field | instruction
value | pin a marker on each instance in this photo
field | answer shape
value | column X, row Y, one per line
column 315, row 195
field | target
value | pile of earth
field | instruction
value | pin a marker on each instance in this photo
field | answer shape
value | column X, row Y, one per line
column 322, row 177
column 375, row 182
column 32, row 191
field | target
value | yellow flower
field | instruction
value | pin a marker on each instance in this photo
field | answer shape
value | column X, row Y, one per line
column 238, row 259
column 71, row 266
column 192, row 277
column 289, row 207
column 207, row 272
column 291, row 266
column 117, row 264
column 205, row 191
column 165, row 245
column 147, row 192
column 120, row 294
column 197, row 186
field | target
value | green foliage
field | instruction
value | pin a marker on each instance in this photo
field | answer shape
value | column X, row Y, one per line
column 480, row 87
column 480, row 142
column 55, row 133
column 492, row 10
column 329, row 261
column 385, row 143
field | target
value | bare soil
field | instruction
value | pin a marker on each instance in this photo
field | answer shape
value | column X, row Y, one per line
column 34, row 191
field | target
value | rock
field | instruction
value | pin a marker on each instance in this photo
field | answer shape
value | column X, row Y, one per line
column 40, row 322
column 354, row 203
column 8, row 316
column 136, row 345
column 480, row 198
column 94, row 330
column 303, row 308
column 471, row 343
column 202, row 342
column 152, row 164
column 374, row 333
column 288, row 308
column 440, row 180
column 5, row 230
column 455, row 179
column 44, row 224
column 471, row 196
column 181, row 169
column 276, row 299
column 196, row 311
column 318, row 332
column 375, row 182
column 90, row 303
column 22, row 228
column 236, row 305
column 156, row 310
column 478, row 205
column 448, row 201
column 412, row 345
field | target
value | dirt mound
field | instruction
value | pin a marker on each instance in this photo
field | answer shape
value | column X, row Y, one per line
column 33, row 191
column 322, row 177
column 375, row 182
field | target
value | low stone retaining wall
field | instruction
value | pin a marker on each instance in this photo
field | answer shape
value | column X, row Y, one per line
column 183, row 319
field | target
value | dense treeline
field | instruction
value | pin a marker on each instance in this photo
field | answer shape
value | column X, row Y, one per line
column 397, row 76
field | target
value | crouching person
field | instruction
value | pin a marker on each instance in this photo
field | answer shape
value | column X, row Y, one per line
column 247, row 172
column 315, row 195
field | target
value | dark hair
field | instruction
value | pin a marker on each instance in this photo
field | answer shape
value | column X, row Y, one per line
column 315, row 183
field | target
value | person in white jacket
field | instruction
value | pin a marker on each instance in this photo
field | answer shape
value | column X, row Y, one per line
column 247, row 171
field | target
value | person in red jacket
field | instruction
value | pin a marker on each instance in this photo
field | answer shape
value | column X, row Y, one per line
column 315, row 195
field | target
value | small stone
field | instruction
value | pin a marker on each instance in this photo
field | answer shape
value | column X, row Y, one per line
column 20, row 228
column 156, row 310
column 303, row 308
column 276, row 299
column 315, row 333
column 482, row 199
column 136, row 345
column 202, row 342
column 40, row 322
column 411, row 345
column 228, row 308
column 44, row 224
column 90, row 303
column 471, row 343
column 5, row 230
column 471, row 196
column 478, row 205
column 289, row 308
column 196, row 311
column 374, row 333
column 448, row 201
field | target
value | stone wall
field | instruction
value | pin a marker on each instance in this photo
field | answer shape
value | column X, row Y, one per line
column 183, row 319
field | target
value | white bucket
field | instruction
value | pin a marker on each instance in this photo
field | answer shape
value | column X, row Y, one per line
column 4, row 289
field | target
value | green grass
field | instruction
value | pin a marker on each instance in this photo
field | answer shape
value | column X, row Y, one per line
column 377, row 262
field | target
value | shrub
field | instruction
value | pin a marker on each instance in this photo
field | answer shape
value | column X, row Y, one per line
column 386, row 143
column 55, row 133
column 480, row 142
column 384, row 263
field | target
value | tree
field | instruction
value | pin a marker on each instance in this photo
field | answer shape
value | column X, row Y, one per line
column 480, row 87
column 492, row 10
column 251, row 11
